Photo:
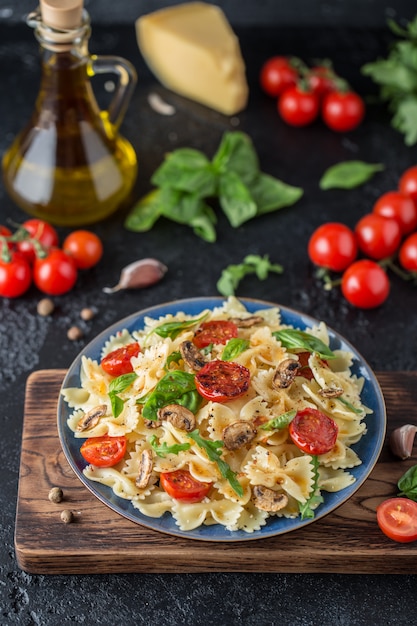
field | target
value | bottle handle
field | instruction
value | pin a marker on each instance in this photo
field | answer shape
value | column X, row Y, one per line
column 127, row 76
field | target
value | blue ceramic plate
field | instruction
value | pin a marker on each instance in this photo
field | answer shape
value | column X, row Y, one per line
column 368, row 448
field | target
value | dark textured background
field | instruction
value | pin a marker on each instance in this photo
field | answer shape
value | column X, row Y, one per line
column 387, row 337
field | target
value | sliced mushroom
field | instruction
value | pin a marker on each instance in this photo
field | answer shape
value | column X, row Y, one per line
column 247, row 322
column 92, row 417
column 238, row 434
column 192, row 355
column 331, row 392
column 145, row 470
column 179, row 416
column 285, row 373
column 152, row 423
column 268, row 500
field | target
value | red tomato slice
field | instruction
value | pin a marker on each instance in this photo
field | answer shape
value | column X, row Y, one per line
column 221, row 381
column 397, row 518
column 313, row 432
column 118, row 362
column 217, row 331
column 104, row 451
column 181, row 486
column 305, row 369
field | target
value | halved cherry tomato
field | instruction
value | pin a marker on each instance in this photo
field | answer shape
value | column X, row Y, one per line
column 118, row 362
column 222, row 381
column 408, row 253
column 333, row 246
column 43, row 232
column 181, row 486
column 397, row 518
column 277, row 74
column 84, row 247
column 365, row 284
column 216, row 331
column 104, row 451
column 313, row 432
column 400, row 207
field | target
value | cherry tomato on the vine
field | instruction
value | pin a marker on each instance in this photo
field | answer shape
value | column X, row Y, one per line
column 408, row 182
column 365, row 284
column 84, row 247
column 408, row 253
column 378, row 237
column 5, row 232
column 397, row 518
column 400, row 207
column 320, row 80
column 313, row 432
column 298, row 106
column 55, row 273
column 342, row 110
column 221, row 381
column 104, row 451
column 118, row 361
column 181, row 486
column 277, row 75
column 15, row 275
column 216, row 331
column 43, row 232
column 333, row 246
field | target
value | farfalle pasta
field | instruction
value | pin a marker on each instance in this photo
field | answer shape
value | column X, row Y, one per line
column 232, row 456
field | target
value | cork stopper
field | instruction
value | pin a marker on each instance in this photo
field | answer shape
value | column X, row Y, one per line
column 62, row 14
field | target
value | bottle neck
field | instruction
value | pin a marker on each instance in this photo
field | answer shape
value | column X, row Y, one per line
column 54, row 40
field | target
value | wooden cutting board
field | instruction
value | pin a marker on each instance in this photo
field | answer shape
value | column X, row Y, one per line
column 347, row 540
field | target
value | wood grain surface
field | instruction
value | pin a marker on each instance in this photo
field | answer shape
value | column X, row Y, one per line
column 347, row 540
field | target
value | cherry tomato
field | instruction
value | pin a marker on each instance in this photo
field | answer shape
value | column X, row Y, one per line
column 408, row 253
column 118, row 362
column 378, row 237
column 298, row 107
column 397, row 518
column 43, row 232
column 277, row 75
column 313, row 432
column 333, row 246
column 216, row 331
column 55, row 274
column 321, row 80
column 5, row 232
column 15, row 275
column 408, row 182
column 365, row 284
column 342, row 110
column 221, row 381
column 84, row 247
column 400, row 207
column 104, row 451
column 305, row 370
column 181, row 486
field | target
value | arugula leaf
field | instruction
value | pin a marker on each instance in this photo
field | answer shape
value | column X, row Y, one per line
column 348, row 174
column 281, row 421
column 163, row 449
column 212, row 450
column 293, row 338
column 173, row 329
column 233, row 348
column 170, row 389
column 306, row 509
column 118, row 385
column 408, row 484
column 252, row 264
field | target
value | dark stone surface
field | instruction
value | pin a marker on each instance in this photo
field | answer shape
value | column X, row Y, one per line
column 387, row 337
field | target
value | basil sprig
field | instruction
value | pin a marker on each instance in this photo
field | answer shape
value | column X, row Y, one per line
column 162, row 449
column 233, row 348
column 118, row 385
column 252, row 264
column 281, row 421
column 292, row 338
column 176, row 387
column 212, row 450
column 306, row 510
column 408, row 484
column 173, row 329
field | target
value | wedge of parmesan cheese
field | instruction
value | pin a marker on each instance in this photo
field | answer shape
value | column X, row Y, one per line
column 192, row 50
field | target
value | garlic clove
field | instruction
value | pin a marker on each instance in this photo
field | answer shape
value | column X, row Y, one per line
column 401, row 441
column 139, row 274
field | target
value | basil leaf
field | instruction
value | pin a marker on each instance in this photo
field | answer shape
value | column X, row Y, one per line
column 163, row 449
column 117, row 404
column 280, row 422
column 170, row 389
column 252, row 264
column 270, row 194
column 174, row 357
column 292, row 338
column 191, row 400
column 237, row 154
column 173, row 329
column 233, row 348
column 145, row 213
column 212, row 450
column 121, row 383
column 203, row 223
column 408, row 484
column 235, row 199
column 350, row 406
column 187, row 170
column 349, row 174
column 307, row 508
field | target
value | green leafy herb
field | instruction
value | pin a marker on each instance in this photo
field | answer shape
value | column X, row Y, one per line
column 396, row 76
column 187, row 178
column 163, row 449
column 349, row 174
column 292, row 338
column 233, row 348
column 118, row 385
column 174, row 357
column 307, row 509
column 175, row 387
column 281, row 421
column 212, row 450
column 173, row 329
column 350, row 406
column 252, row 264
column 408, row 484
